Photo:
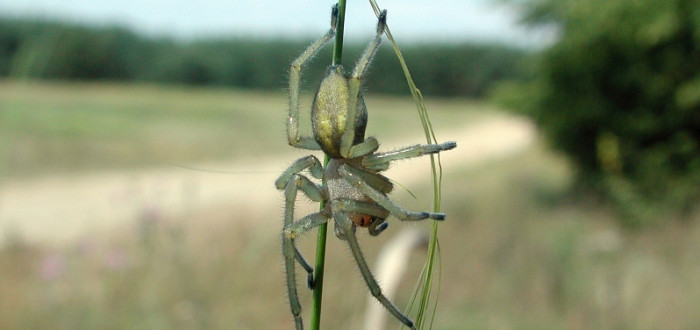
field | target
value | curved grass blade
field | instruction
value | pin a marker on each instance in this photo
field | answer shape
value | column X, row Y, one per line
column 423, row 293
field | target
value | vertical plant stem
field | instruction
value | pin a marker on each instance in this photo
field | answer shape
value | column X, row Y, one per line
column 323, row 229
column 339, row 32
column 318, row 272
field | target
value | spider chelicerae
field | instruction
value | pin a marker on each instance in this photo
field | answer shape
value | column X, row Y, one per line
column 354, row 193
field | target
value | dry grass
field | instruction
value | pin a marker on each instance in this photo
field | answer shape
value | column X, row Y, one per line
column 73, row 127
column 516, row 253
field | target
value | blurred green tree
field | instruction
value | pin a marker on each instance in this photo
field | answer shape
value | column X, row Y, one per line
column 54, row 50
column 619, row 93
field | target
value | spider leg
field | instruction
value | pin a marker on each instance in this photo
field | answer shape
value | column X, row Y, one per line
column 380, row 214
column 309, row 188
column 291, row 253
column 380, row 161
column 347, row 149
column 384, row 201
column 374, row 180
column 304, row 142
column 289, row 250
column 300, row 182
column 343, row 221
column 296, row 228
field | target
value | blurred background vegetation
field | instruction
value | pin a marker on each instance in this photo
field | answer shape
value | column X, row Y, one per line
column 595, row 225
column 619, row 93
column 46, row 50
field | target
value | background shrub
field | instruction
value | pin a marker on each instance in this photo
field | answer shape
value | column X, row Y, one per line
column 619, row 93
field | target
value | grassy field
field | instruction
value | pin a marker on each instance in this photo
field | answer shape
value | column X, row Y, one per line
column 75, row 127
column 519, row 250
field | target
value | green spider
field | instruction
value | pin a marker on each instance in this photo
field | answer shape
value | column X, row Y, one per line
column 354, row 193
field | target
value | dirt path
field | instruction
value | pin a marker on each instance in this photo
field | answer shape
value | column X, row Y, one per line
column 62, row 208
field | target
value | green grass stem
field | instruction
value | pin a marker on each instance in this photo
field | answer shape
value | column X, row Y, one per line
column 323, row 229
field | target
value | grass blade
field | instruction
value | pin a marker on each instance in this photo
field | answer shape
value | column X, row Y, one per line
column 423, row 291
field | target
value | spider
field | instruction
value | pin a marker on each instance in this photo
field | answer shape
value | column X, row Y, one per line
column 354, row 193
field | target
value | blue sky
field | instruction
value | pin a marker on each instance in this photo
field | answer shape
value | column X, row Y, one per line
column 410, row 20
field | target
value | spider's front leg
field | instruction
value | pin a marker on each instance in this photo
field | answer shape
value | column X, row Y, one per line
column 291, row 181
column 293, row 229
column 304, row 142
column 315, row 168
column 347, row 147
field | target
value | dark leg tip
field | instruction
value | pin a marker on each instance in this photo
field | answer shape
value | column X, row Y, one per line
column 382, row 22
column 438, row 216
column 409, row 324
column 379, row 229
column 310, row 281
column 448, row 145
column 334, row 16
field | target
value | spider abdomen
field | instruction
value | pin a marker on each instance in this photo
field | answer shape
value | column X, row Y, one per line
column 330, row 109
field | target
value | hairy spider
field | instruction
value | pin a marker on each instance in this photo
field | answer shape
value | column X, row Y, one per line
column 354, row 193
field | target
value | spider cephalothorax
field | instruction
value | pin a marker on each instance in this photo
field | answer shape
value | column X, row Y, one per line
column 354, row 193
